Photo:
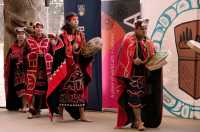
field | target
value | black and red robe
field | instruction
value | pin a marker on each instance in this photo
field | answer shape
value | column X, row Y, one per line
column 39, row 66
column 151, row 100
column 15, row 76
column 67, row 87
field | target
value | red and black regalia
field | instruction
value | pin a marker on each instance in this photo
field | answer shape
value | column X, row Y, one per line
column 15, row 76
column 39, row 64
column 70, row 77
column 132, row 79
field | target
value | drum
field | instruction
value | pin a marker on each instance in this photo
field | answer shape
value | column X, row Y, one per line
column 92, row 47
column 152, row 110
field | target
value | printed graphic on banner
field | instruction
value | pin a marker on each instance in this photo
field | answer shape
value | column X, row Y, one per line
column 182, row 88
column 188, row 60
column 116, row 19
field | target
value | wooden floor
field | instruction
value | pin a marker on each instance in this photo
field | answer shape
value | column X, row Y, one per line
column 102, row 122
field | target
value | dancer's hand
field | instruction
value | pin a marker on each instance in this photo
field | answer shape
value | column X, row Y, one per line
column 137, row 61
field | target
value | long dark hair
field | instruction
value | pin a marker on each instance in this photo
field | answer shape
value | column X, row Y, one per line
column 67, row 26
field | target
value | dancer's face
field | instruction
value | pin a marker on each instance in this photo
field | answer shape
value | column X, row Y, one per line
column 141, row 31
column 20, row 37
column 39, row 29
column 74, row 21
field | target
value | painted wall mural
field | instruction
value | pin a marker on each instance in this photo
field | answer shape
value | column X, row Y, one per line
column 172, row 24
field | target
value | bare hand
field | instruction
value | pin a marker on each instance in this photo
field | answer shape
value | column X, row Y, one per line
column 137, row 61
column 40, row 53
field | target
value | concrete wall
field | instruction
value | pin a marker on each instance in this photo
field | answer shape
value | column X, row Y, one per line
column 2, row 95
column 53, row 19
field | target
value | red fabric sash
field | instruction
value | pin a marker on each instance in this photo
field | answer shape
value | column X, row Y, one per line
column 56, row 78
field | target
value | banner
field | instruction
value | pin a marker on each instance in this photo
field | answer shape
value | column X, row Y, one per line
column 89, row 12
column 172, row 24
column 116, row 20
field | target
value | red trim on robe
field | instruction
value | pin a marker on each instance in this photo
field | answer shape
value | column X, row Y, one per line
column 35, row 46
column 14, row 49
column 124, row 68
column 66, row 68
